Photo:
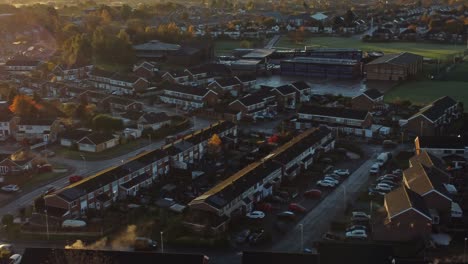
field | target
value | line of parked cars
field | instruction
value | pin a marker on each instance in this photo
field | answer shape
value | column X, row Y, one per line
column 333, row 179
column 358, row 229
column 385, row 184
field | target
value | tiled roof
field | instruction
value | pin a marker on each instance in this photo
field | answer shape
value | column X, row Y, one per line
column 74, row 134
column 427, row 159
column 96, row 138
column 402, row 199
column 333, row 112
column 300, row 85
column 286, row 89
column 373, row 94
column 198, row 91
column 227, row 82
column 436, row 109
column 423, row 179
column 403, row 58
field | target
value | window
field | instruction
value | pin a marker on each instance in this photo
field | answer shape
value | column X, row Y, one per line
column 90, row 196
column 106, row 188
column 74, row 203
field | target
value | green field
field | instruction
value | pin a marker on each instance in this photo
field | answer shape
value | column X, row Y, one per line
column 225, row 47
column 428, row 50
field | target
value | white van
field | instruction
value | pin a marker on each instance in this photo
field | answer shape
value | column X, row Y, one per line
column 73, row 223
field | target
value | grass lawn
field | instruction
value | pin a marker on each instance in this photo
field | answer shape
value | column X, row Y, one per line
column 422, row 92
column 428, row 50
column 106, row 154
column 225, row 47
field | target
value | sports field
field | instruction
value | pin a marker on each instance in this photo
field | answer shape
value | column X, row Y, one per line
column 428, row 50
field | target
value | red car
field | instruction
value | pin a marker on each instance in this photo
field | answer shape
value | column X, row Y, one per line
column 75, row 178
column 297, row 208
column 313, row 193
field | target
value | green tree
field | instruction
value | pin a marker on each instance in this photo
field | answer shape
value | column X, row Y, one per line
column 125, row 12
column 77, row 50
column 103, row 122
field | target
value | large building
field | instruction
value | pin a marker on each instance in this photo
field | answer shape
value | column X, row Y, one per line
column 321, row 67
column 394, row 67
column 331, row 53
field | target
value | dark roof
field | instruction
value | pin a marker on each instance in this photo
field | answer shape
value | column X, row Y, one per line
column 22, row 63
column 211, row 68
column 300, row 85
column 227, row 81
column 96, row 138
column 120, row 100
column 373, row 94
column 75, row 134
column 427, row 159
column 257, row 257
column 132, row 114
column 402, row 199
column 436, row 109
column 71, row 256
column 129, row 78
column 333, row 112
column 105, row 177
column 153, row 118
column 135, row 181
column 422, row 179
column 443, row 142
column 403, row 59
column 286, row 89
column 199, row 91
column 257, row 97
column 247, row 78
column 101, row 73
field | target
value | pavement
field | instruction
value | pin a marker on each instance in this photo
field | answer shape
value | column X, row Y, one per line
column 272, row 42
column 90, row 168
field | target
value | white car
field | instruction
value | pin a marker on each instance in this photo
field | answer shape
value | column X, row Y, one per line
column 325, row 183
column 15, row 259
column 341, row 172
column 328, row 178
column 10, row 188
column 375, row 168
column 357, row 233
column 385, row 185
column 255, row 215
column 382, row 188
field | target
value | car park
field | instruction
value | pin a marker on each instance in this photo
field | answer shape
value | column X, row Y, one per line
column 297, row 208
column 356, row 227
column 325, row 183
column 313, row 194
column 382, row 188
column 256, row 215
column 356, row 234
column 375, row 168
column 10, row 188
column 341, row 172
column 287, row 215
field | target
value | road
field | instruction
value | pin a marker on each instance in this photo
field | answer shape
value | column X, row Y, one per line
column 90, row 167
column 272, row 42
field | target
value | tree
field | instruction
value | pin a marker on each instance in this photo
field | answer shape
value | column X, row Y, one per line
column 25, row 106
column 107, row 123
column 214, row 144
column 124, row 36
column 125, row 12
column 77, row 50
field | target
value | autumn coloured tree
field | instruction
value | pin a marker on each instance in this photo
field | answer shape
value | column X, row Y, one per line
column 214, row 144
column 25, row 106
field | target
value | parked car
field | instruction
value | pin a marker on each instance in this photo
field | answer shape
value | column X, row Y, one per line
column 397, row 172
column 242, row 236
column 294, row 207
column 357, row 234
column 388, row 177
column 375, row 168
column 386, row 185
column 374, row 192
column 341, row 172
column 73, row 223
column 287, row 215
column 313, row 194
column 10, row 188
column 275, row 199
column 333, row 176
column 389, row 182
column 256, row 215
column 359, row 216
column 75, row 178
column 382, row 188
column 49, row 190
column 326, row 183
column 264, row 207
column 331, row 179
column 330, row 236
column 145, row 244
column 356, row 227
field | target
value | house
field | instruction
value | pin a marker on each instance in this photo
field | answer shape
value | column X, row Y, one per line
column 255, row 105
column 442, row 146
column 153, row 120
column 188, row 96
column 71, row 137
column 394, row 67
column 369, row 100
column 13, row 164
column 7, row 124
column 97, row 142
column 100, row 190
column 286, row 96
column 179, row 77
column 434, row 118
column 205, row 73
column 248, row 81
column 71, row 72
column 407, row 216
column 383, row 34
column 21, row 65
column 145, row 69
column 122, row 104
column 348, row 121
column 304, row 91
column 117, row 83
column 44, row 130
column 237, row 195
column 226, row 85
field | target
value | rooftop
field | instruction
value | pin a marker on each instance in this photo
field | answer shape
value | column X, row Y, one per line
column 373, row 94
column 403, row 58
column 443, row 142
column 423, row 179
column 328, row 61
column 96, row 138
column 259, row 54
column 402, row 199
column 436, row 109
column 333, row 112
column 286, row 89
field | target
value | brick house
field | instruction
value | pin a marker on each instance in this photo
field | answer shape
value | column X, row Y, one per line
column 188, row 96
column 97, row 142
column 121, row 104
column 435, row 118
column 11, row 164
column 145, row 70
column 304, row 91
column 44, row 130
column 153, row 120
column 248, row 81
column 286, row 96
column 206, row 73
column 394, row 67
column 21, row 65
column 69, row 73
column 348, row 121
column 179, row 77
column 256, row 104
column 117, row 83
column 369, row 100
column 226, row 85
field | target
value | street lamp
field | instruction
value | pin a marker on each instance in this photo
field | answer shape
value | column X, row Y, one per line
column 301, row 226
column 464, row 251
column 162, row 242
column 47, row 223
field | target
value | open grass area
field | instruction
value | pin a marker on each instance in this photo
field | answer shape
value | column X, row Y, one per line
column 225, row 47
column 429, row 50
column 423, row 92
